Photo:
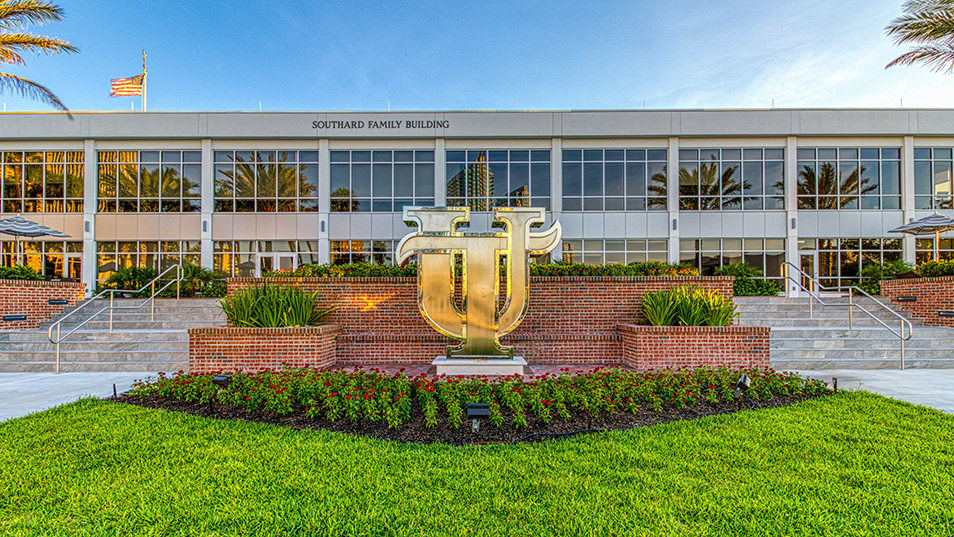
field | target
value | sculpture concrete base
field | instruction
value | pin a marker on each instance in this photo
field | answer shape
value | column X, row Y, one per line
column 480, row 366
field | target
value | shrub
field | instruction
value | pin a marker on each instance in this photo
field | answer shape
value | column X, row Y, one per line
column 749, row 281
column 687, row 306
column 373, row 396
column 351, row 270
column 873, row 273
column 650, row 268
column 130, row 278
column 272, row 307
column 19, row 272
column 932, row 269
column 368, row 270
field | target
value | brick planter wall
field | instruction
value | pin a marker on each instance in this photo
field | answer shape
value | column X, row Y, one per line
column 32, row 298
column 232, row 349
column 933, row 295
column 674, row 347
column 569, row 320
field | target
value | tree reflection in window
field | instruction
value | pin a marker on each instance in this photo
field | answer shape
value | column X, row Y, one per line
column 831, row 188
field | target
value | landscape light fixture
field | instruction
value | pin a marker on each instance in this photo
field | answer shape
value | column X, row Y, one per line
column 741, row 385
column 475, row 411
column 221, row 381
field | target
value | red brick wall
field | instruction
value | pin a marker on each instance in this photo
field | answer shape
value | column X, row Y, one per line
column 569, row 320
column 674, row 347
column 232, row 349
column 32, row 298
column 933, row 295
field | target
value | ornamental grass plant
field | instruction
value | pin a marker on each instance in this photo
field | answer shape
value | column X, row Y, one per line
column 687, row 306
column 271, row 306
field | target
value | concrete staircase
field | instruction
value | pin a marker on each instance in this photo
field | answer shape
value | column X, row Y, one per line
column 137, row 342
column 824, row 341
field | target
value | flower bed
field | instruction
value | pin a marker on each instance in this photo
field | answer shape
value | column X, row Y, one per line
column 433, row 409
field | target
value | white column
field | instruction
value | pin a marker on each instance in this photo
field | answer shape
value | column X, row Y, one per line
column 207, row 203
column 440, row 173
column 90, row 205
column 907, row 197
column 791, row 209
column 556, row 188
column 324, row 200
column 672, row 198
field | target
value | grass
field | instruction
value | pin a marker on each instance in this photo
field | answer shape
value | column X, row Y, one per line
column 849, row 464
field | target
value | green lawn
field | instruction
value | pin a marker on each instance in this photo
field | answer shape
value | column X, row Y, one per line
column 849, row 464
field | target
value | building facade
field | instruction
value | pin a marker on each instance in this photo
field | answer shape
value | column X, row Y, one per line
column 244, row 192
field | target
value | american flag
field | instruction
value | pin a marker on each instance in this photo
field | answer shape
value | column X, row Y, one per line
column 125, row 87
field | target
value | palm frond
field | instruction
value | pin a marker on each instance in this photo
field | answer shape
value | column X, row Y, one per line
column 939, row 57
column 922, row 27
column 30, row 89
column 37, row 43
column 19, row 13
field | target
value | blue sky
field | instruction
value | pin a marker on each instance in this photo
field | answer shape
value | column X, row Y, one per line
column 433, row 55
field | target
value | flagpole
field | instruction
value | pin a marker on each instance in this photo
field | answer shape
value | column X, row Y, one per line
column 143, row 80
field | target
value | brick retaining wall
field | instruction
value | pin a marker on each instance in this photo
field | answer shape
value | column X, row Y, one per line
column 933, row 295
column 231, row 349
column 674, row 347
column 32, row 298
column 569, row 320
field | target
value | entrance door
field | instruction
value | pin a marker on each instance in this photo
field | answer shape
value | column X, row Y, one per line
column 809, row 267
column 274, row 261
column 73, row 267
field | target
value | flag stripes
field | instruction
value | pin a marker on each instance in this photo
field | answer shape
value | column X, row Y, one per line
column 125, row 87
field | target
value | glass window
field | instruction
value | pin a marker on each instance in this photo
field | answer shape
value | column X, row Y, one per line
column 614, row 180
column 607, row 251
column 261, row 181
column 708, row 255
column 149, row 181
column 849, row 178
column 42, row 182
column 483, row 180
column 841, row 261
column 731, row 179
column 381, row 181
column 933, row 187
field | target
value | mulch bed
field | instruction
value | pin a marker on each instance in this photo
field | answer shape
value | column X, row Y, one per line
column 414, row 429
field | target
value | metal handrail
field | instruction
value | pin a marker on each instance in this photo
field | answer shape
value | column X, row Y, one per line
column 180, row 274
column 851, row 305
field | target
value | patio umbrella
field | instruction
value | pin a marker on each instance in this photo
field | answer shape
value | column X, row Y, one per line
column 21, row 227
column 934, row 224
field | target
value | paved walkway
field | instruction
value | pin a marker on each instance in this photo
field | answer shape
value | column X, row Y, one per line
column 928, row 387
column 25, row 393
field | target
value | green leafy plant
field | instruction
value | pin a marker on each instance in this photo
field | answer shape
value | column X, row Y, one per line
column 272, row 306
column 19, row 272
column 749, row 281
column 873, row 273
column 933, row 269
column 130, row 278
column 687, row 306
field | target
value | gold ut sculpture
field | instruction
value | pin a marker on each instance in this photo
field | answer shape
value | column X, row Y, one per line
column 436, row 243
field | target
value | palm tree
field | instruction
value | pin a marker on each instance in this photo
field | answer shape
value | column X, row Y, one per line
column 711, row 186
column 929, row 25
column 15, row 15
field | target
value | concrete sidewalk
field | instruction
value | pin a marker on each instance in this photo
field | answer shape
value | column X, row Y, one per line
column 928, row 387
column 25, row 393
